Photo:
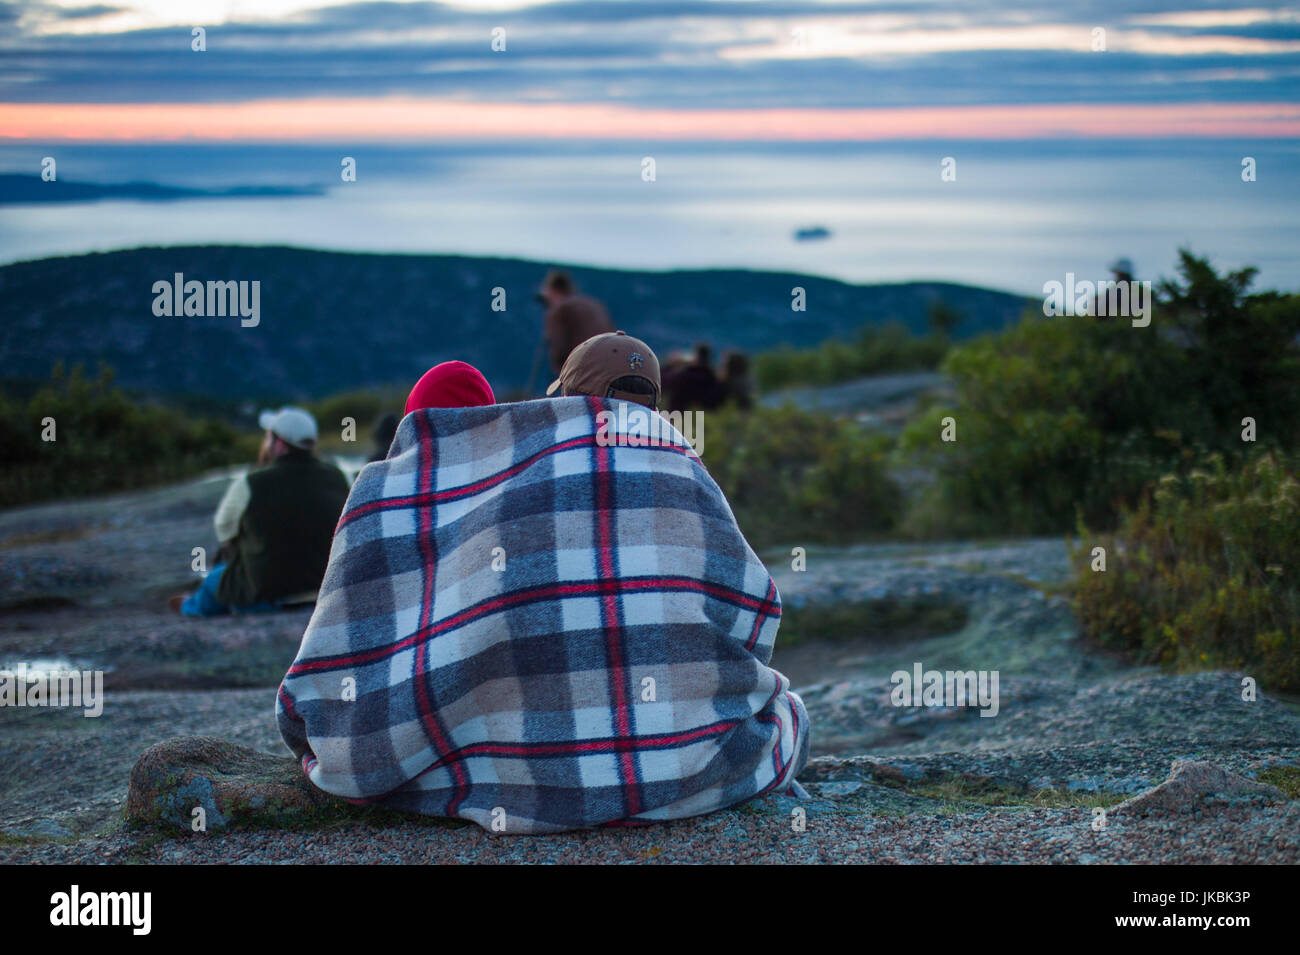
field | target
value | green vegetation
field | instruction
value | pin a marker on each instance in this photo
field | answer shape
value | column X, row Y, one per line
column 876, row 350
column 335, row 814
column 1059, row 419
column 1137, row 436
column 1136, row 433
column 959, row 791
column 794, row 477
column 1202, row 574
column 964, row 791
column 1285, row 778
column 108, row 440
column 364, row 407
column 104, row 441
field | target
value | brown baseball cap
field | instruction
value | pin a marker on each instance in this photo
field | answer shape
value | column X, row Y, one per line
column 597, row 363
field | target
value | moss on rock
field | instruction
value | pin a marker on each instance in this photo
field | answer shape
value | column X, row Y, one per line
column 234, row 785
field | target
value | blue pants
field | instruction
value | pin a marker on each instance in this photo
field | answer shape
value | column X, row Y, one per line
column 204, row 603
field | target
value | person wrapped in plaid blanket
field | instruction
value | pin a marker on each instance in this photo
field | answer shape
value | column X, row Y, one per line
column 538, row 622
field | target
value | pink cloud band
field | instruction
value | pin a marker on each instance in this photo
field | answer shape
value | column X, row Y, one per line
column 418, row 119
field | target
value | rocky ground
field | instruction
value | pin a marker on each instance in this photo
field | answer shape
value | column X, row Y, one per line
column 1073, row 768
column 884, row 402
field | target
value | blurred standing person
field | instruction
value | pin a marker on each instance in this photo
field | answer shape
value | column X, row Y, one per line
column 571, row 318
column 737, row 381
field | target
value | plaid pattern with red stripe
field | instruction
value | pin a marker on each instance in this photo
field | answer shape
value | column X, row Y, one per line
column 537, row 630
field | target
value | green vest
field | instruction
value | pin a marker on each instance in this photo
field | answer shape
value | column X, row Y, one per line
column 285, row 533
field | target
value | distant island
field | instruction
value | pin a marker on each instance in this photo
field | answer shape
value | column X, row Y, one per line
column 18, row 189
column 812, row 233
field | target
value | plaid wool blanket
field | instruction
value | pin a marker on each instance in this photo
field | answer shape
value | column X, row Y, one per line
column 533, row 621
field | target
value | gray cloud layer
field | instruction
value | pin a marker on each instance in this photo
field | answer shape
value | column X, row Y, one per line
column 640, row 52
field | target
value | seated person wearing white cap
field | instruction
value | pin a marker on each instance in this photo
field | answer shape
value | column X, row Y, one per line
column 275, row 525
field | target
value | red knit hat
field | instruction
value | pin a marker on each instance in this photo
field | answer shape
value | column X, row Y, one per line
column 453, row 384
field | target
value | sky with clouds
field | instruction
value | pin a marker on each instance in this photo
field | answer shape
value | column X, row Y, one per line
column 685, row 69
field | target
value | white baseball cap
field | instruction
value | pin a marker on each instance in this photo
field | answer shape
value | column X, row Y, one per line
column 294, row 426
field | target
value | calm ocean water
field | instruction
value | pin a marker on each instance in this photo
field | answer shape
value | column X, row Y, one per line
column 1017, row 215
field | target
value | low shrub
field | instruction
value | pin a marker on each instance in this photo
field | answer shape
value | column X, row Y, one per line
column 1068, row 418
column 364, row 408
column 103, row 441
column 793, row 476
column 1204, row 573
column 877, row 350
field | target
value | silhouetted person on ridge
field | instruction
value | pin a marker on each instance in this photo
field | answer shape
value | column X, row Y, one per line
column 1121, row 272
